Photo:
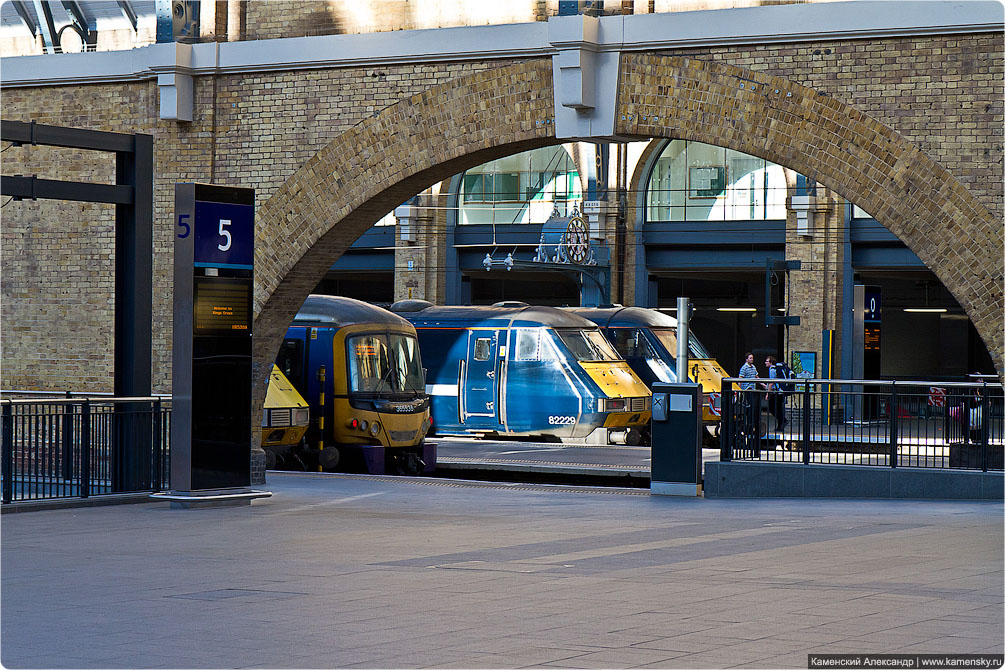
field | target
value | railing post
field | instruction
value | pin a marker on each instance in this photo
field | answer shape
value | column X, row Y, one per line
column 726, row 428
column 85, row 449
column 157, row 446
column 807, row 423
column 8, row 453
column 67, row 458
column 985, row 423
column 892, row 410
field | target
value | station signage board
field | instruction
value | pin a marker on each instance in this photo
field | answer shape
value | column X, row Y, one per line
column 213, row 318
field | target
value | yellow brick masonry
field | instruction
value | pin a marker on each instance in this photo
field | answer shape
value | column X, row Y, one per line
column 339, row 148
column 861, row 159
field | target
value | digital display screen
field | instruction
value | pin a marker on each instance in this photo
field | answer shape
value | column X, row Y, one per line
column 222, row 306
column 872, row 339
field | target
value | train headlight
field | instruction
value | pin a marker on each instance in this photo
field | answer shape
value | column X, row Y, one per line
column 275, row 435
column 363, row 425
column 301, row 416
column 374, row 429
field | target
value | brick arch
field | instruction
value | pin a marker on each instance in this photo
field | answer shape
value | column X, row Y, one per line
column 366, row 171
column 341, row 191
column 862, row 160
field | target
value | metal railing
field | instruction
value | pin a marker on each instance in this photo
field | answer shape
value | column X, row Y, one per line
column 864, row 422
column 77, row 447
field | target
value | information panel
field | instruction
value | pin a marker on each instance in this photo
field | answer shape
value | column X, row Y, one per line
column 222, row 306
column 214, row 264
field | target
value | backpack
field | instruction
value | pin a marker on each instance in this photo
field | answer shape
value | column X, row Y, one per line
column 783, row 371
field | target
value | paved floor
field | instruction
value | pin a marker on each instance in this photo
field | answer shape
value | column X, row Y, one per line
column 343, row 571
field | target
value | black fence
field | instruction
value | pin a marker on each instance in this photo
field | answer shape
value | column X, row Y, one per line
column 858, row 422
column 77, row 447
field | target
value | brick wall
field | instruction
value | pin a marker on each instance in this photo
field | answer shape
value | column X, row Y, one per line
column 819, row 136
column 258, row 130
column 941, row 93
column 294, row 18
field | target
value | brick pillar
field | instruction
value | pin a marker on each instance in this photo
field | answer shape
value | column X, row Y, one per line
column 418, row 251
column 815, row 291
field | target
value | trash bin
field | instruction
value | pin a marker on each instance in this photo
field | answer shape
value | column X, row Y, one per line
column 676, row 440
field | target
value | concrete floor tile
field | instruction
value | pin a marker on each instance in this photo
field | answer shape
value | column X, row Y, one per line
column 350, row 585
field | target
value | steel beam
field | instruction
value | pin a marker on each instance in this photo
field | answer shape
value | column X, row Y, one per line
column 22, row 132
column 129, row 13
column 48, row 26
column 32, row 188
column 26, row 18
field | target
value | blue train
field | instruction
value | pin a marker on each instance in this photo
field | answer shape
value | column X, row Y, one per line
column 515, row 370
column 358, row 367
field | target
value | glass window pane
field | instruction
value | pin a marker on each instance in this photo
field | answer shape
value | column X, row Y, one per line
column 368, row 362
column 526, row 348
column 482, row 348
column 507, row 187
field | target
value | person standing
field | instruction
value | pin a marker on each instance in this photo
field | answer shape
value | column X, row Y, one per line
column 749, row 398
column 775, row 396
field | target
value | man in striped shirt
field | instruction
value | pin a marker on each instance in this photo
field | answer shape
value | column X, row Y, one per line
column 751, row 401
column 748, row 371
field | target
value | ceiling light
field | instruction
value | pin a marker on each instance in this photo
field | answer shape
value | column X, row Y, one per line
column 926, row 310
column 736, row 309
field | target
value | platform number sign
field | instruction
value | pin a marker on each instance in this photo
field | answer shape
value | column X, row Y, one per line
column 224, row 236
column 213, row 317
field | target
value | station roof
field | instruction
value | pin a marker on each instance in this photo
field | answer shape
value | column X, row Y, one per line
column 22, row 15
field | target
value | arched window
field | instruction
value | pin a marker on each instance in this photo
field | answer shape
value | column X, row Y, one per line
column 524, row 188
column 692, row 181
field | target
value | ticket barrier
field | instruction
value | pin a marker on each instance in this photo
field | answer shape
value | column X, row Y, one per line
column 676, row 440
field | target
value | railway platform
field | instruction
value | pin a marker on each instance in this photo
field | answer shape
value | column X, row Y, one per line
column 365, row 571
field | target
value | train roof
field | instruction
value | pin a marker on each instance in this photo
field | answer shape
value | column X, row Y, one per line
column 509, row 313
column 335, row 311
column 611, row 317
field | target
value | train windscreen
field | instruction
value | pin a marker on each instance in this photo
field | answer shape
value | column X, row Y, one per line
column 384, row 363
column 668, row 337
column 588, row 345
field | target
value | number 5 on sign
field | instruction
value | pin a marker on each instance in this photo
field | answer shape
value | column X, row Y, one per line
column 225, row 234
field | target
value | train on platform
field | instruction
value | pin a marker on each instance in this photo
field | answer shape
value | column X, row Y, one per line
column 513, row 370
column 285, row 419
column 647, row 340
column 359, row 369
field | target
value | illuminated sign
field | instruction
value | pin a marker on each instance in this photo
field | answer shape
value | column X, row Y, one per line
column 872, row 338
column 222, row 306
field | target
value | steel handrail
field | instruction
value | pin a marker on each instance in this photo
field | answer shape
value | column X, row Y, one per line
column 864, row 382
column 76, row 400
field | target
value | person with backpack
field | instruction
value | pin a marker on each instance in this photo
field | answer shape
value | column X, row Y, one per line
column 777, row 392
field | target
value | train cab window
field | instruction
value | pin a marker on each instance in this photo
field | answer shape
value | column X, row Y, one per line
column 631, row 343
column 483, row 348
column 533, row 345
column 369, row 367
column 408, row 366
column 588, row 345
column 291, row 361
column 668, row 338
column 528, row 343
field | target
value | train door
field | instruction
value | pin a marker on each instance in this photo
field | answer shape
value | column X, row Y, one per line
column 480, row 384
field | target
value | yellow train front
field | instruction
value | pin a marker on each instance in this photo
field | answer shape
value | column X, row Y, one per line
column 358, row 367
column 647, row 339
column 284, row 421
